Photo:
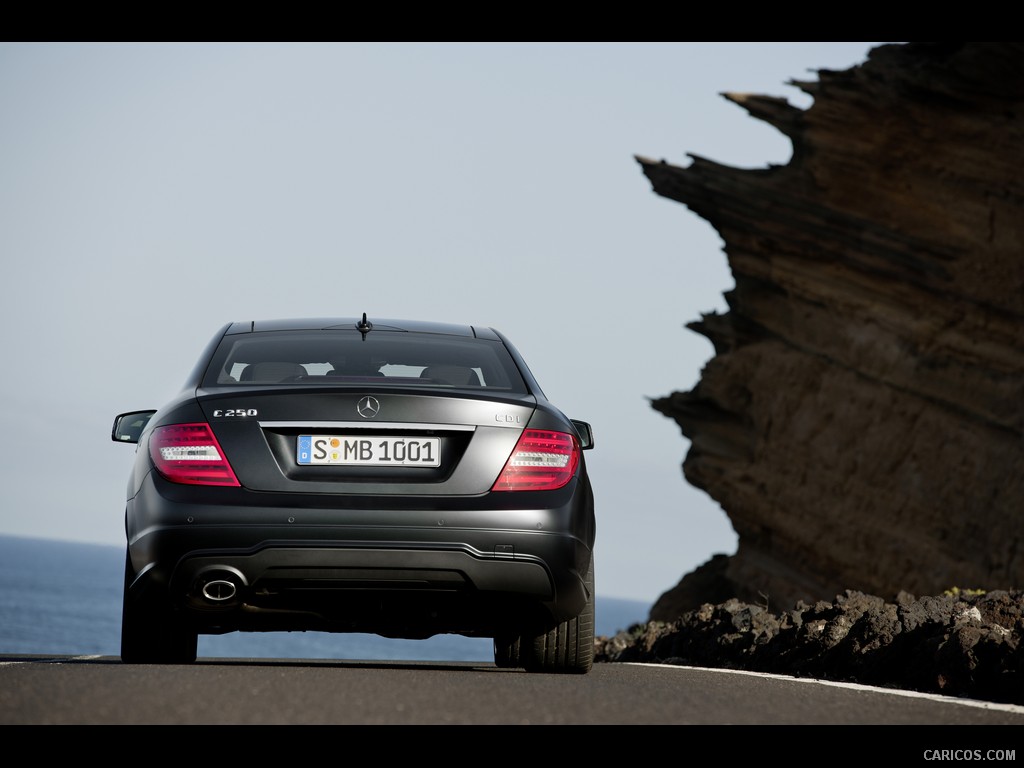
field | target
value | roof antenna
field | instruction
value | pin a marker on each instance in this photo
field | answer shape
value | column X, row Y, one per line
column 364, row 326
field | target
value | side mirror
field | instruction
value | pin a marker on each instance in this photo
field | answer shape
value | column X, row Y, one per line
column 128, row 426
column 586, row 434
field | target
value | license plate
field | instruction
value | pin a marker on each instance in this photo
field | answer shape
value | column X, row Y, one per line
column 369, row 451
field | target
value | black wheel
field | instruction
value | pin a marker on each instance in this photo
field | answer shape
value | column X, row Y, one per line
column 506, row 651
column 568, row 647
column 149, row 632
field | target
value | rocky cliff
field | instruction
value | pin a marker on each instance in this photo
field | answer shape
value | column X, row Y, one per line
column 862, row 420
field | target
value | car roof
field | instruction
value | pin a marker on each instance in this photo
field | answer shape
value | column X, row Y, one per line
column 353, row 323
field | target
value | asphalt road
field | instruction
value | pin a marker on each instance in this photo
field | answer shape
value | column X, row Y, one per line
column 76, row 690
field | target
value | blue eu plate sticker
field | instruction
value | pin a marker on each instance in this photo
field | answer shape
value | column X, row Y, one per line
column 305, row 447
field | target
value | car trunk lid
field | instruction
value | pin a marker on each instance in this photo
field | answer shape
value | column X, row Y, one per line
column 363, row 441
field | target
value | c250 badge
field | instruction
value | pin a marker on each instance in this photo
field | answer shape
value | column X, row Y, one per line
column 225, row 412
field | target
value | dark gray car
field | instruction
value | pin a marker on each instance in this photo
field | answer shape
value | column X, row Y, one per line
column 400, row 478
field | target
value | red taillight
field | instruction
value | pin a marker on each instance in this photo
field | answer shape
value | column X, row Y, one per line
column 189, row 453
column 541, row 461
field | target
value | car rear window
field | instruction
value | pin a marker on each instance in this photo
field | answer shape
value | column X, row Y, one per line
column 339, row 357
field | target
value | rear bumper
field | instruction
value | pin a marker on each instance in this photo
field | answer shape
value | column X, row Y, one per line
column 403, row 572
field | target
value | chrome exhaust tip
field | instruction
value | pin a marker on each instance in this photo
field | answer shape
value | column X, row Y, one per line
column 218, row 586
column 219, row 590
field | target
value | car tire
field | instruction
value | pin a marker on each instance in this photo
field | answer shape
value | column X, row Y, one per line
column 506, row 651
column 567, row 648
column 149, row 632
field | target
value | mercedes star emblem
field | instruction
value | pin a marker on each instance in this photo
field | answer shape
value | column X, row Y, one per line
column 368, row 407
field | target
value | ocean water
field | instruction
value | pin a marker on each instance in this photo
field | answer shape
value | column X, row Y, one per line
column 64, row 598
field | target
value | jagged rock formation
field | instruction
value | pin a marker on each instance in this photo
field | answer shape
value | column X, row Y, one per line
column 862, row 420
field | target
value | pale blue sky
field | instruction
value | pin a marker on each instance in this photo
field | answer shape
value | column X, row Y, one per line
column 151, row 192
